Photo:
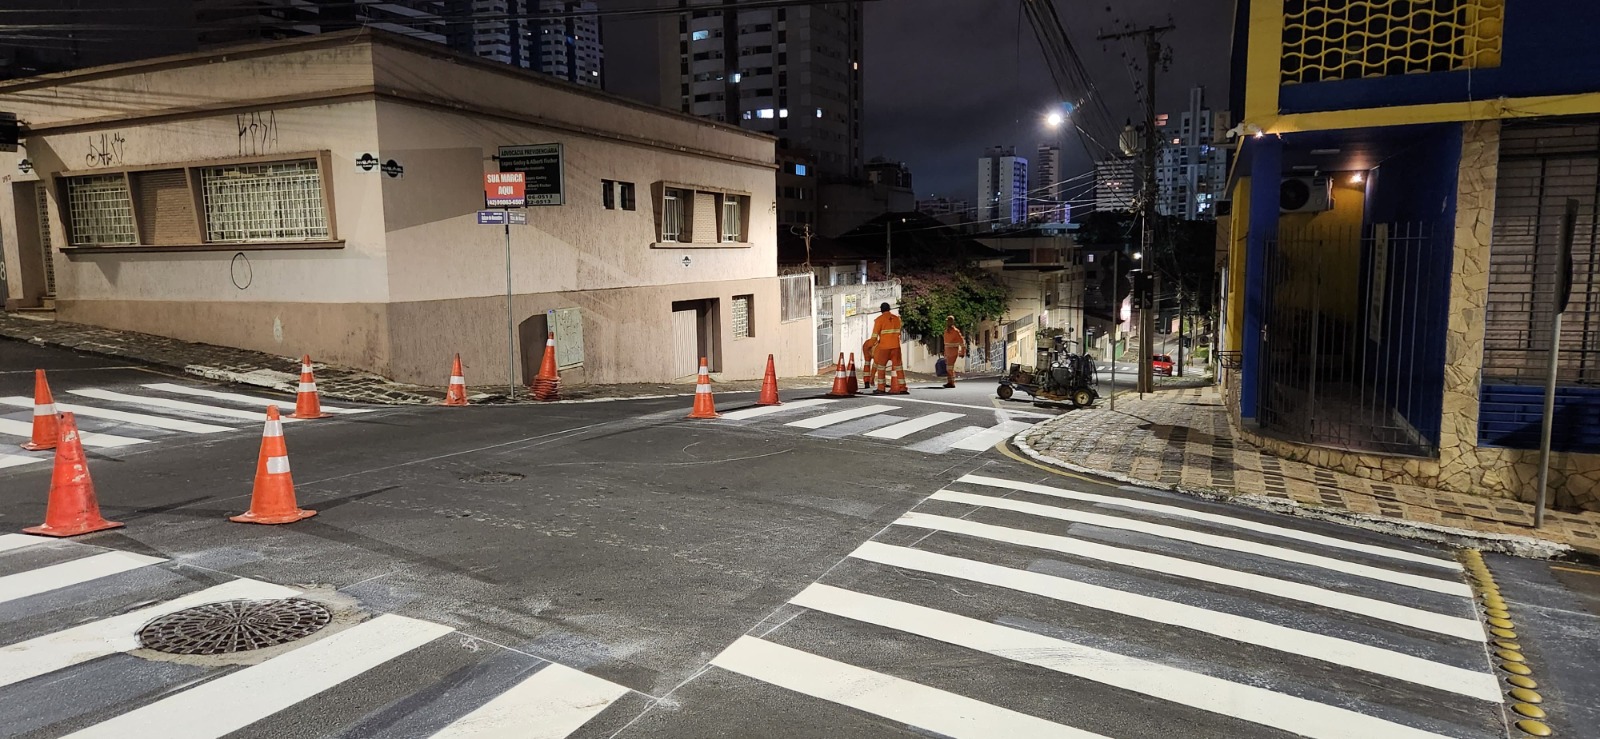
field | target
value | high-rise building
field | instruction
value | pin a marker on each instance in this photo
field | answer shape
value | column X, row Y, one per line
column 228, row 22
column 1115, row 187
column 793, row 72
column 1191, row 170
column 1047, row 201
column 549, row 36
column 1002, row 187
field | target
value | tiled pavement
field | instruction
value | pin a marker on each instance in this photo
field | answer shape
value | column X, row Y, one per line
column 1181, row 439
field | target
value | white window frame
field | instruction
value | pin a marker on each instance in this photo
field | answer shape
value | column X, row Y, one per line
column 672, row 216
column 288, row 195
column 732, row 226
column 100, row 210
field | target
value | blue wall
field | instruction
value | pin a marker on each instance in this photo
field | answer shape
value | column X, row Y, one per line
column 1549, row 47
column 1418, row 185
column 1510, row 416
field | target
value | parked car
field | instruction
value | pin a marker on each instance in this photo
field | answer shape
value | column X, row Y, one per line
column 1161, row 364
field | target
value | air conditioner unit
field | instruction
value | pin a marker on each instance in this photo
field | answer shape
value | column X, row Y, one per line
column 1305, row 194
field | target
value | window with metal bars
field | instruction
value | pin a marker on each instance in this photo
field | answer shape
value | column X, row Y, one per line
column 732, row 222
column 100, row 210
column 274, row 201
column 672, row 214
column 1543, row 165
column 743, row 326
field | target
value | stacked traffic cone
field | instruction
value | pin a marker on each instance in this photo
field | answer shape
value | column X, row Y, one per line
column 704, row 406
column 272, row 499
column 44, row 416
column 852, row 383
column 547, row 384
column 898, row 385
column 307, row 404
column 841, row 382
column 457, row 394
column 769, row 385
column 72, row 509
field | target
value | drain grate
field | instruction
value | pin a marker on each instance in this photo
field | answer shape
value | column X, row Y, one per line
column 234, row 626
column 493, row 478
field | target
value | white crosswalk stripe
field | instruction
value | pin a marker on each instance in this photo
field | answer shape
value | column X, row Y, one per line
column 906, row 428
column 553, row 702
column 1282, row 648
column 168, row 387
column 24, row 429
column 829, row 419
column 176, row 405
column 767, row 410
column 885, row 419
column 139, row 419
column 18, row 460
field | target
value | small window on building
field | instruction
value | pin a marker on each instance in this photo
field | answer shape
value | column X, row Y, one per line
column 732, row 219
column 700, row 35
column 672, row 214
column 625, row 193
column 743, row 321
column 273, row 201
column 608, row 194
column 99, row 210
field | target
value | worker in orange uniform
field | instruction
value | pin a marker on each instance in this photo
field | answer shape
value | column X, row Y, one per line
column 867, row 348
column 955, row 347
column 886, row 332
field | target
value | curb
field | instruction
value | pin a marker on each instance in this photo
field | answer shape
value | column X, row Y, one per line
column 1506, row 651
column 1509, row 544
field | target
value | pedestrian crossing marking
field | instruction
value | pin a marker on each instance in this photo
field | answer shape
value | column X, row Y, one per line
column 57, row 576
column 177, row 405
column 9, row 542
column 236, row 700
column 938, row 711
column 24, row 429
column 907, row 428
column 1333, row 650
column 764, row 410
column 62, row 649
column 1462, row 628
column 17, row 460
column 1247, row 702
column 141, row 419
column 550, row 704
column 989, row 437
column 945, row 442
column 1216, row 541
column 1214, row 518
column 829, row 419
column 168, row 387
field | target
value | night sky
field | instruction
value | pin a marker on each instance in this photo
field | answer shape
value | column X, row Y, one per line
column 946, row 79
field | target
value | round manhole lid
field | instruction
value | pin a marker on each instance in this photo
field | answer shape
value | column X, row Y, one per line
column 494, row 478
column 234, row 626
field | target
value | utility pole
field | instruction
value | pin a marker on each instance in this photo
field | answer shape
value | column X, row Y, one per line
column 888, row 248
column 1152, row 49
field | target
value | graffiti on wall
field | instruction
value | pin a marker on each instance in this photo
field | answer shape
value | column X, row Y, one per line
column 258, row 133
column 105, row 150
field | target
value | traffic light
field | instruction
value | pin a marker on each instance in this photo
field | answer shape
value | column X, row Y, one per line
column 1143, row 288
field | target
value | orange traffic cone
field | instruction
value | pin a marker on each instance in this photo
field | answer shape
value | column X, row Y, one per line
column 851, row 382
column 898, row 386
column 272, row 499
column 307, row 404
column 547, row 384
column 44, row 415
column 769, row 385
column 704, row 406
column 457, row 394
column 72, row 509
column 841, row 383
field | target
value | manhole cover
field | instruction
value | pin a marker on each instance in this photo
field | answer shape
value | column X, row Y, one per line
column 494, row 478
column 234, row 626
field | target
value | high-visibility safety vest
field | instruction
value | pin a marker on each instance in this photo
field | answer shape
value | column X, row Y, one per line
column 887, row 330
column 953, row 339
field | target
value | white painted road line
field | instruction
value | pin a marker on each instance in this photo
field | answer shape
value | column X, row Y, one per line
column 24, row 429
column 1215, row 541
column 989, row 408
column 1462, row 628
column 1384, row 662
column 176, row 405
column 550, row 704
column 763, row 410
column 56, row 576
column 907, row 428
column 238, row 699
column 902, row 701
column 168, row 387
column 943, row 442
column 9, row 542
column 18, row 460
column 62, row 649
column 1221, row 520
column 829, row 419
column 140, row 419
column 991, row 436
column 1237, row 700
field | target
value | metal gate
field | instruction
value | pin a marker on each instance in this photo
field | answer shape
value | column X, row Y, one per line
column 42, row 204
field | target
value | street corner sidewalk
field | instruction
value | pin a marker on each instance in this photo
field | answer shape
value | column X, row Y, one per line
column 220, row 363
column 1179, row 439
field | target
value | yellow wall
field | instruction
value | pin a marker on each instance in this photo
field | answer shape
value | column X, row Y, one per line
column 1236, row 264
column 1324, row 251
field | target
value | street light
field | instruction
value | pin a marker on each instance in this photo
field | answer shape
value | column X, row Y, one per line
column 1055, row 119
column 1138, row 255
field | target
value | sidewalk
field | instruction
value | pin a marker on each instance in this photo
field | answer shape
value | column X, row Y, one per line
column 1180, row 439
column 334, row 382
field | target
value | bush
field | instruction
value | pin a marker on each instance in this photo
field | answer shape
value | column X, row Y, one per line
column 970, row 294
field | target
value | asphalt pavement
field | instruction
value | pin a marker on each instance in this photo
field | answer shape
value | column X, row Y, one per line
column 870, row 566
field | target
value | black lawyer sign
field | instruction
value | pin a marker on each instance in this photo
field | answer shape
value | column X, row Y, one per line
column 541, row 165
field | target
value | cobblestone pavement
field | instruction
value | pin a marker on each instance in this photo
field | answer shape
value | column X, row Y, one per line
column 1180, row 439
column 261, row 369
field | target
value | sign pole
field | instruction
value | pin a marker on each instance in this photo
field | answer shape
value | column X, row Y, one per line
column 511, row 337
column 1562, row 294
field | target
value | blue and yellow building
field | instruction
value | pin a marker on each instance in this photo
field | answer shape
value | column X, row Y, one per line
column 1398, row 192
